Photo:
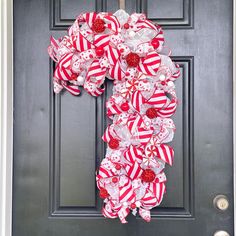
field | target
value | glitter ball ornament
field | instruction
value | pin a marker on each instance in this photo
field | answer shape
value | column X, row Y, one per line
column 132, row 59
column 103, row 193
column 113, row 143
column 148, row 175
column 98, row 26
column 151, row 113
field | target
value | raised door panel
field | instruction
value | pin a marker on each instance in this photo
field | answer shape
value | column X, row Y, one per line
column 178, row 16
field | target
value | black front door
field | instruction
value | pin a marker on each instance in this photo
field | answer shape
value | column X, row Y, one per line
column 57, row 144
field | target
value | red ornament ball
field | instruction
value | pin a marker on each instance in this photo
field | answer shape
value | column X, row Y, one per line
column 148, row 175
column 103, row 193
column 113, row 143
column 151, row 113
column 118, row 166
column 126, row 26
column 132, row 59
column 74, row 76
column 99, row 51
column 98, row 26
column 133, row 205
column 124, row 106
column 163, row 83
column 114, row 180
column 155, row 43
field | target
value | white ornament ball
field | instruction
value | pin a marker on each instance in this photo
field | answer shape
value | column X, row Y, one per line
column 170, row 83
column 162, row 77
column 80, row 80
column 131, row 33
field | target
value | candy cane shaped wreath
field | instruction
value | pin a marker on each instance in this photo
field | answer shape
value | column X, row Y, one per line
column 128, row 49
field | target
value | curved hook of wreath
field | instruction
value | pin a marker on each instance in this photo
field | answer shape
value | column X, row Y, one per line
column 128, row 49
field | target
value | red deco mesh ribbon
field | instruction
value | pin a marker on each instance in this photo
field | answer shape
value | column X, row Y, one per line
column 127, row 49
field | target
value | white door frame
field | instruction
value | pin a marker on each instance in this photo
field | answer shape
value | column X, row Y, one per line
column 6, row 113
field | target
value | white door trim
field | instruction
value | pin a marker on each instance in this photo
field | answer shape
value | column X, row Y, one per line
column 6, row 117
column 6, row 113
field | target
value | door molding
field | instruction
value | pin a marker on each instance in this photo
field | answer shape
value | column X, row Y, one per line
column 6, row 117
column 6, row 113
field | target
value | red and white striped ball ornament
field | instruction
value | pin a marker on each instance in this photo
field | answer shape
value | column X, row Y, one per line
column 128, row 49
